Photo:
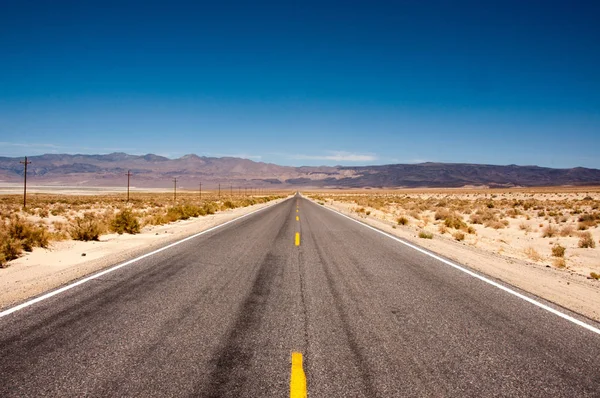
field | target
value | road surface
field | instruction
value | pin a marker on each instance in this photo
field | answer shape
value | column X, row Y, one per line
column 220, row 315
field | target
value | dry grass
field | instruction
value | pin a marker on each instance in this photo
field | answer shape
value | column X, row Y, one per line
column 532, row 254
column 520, row 223
column 86, row 217
column 586, row 241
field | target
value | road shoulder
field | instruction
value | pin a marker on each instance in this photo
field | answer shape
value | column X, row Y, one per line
column 571, row 291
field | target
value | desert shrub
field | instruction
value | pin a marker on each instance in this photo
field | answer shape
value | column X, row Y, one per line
column 10, row 248
column 549, row 232
column 587, row 221
column 559, row 262
column 402, row 220
column 496, row 224
column 28, row 234
column 442, row 228
column 586, row 240
column 425, row 235
column 532, row 254
column 567, row 230
column 595, row 275
column 125, row 222
column 58, row 210
column 525, row 227
column 454, row 221
column 210, row 208
column 471, row 230
column 459, row 236
column 558, row 251
column 441, row 214
column 43, row 213
column 228, row 204
column 86, row 228
column 415, row 214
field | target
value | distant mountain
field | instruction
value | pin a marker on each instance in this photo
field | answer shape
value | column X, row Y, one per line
column 157, row 171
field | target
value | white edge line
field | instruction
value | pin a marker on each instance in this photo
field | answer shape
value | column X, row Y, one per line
column 475, row 275
column 116, row 267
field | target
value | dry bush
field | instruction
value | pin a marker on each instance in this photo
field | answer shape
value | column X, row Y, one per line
column 442, row 228
column 425, row 235
column 559, row 262
column 595, row 275
column 402, row 220
column 10, row 249
column 459, row 236
column 496, row 224
column 525, row 227
column 415, row 214
column 27, row 233
column 441, row 214
column 455, row 221
column 532, row 254
column 586, row 240
column 567, row 230
column 588, row 221
column 549, row 232
column 125, row 222
column 558, row 251
column 86, row 228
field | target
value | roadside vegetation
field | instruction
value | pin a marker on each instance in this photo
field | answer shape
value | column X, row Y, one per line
column 555, row 226
column 51, row 218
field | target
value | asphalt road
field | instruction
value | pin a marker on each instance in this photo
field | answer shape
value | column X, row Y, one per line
column 220, row 315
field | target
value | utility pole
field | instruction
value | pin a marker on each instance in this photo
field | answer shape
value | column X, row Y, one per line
column 219, row 190
column 231, row 190
column 25, row 163
column 200, row 191
column 128, row 175
column 175, row 189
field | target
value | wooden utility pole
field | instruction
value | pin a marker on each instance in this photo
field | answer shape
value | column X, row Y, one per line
column 200, row 191
column 174, row 189
column 25, row 163
column 128, row 176
column 219, row 190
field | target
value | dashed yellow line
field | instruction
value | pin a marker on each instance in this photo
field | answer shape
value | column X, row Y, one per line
column 297, row 218
column 297, row 210
column 297, row 378
column 297, row 238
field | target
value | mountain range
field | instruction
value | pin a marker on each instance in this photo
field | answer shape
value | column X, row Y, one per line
column 153, row 171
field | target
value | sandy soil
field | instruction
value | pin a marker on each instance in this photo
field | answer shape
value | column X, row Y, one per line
column 500, row 254
column 45, row 269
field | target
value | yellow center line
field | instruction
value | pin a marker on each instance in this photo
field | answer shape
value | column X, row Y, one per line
column 297, row 218
column 296, row 210
column 298, row 378
column 297, row 238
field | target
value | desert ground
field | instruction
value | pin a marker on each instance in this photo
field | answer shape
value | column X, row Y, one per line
column 62, row 236
column 543, row 240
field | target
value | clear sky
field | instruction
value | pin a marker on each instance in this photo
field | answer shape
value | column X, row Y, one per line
column 301, row 82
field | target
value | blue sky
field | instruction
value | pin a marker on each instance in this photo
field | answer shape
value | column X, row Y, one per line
column 304, row 83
